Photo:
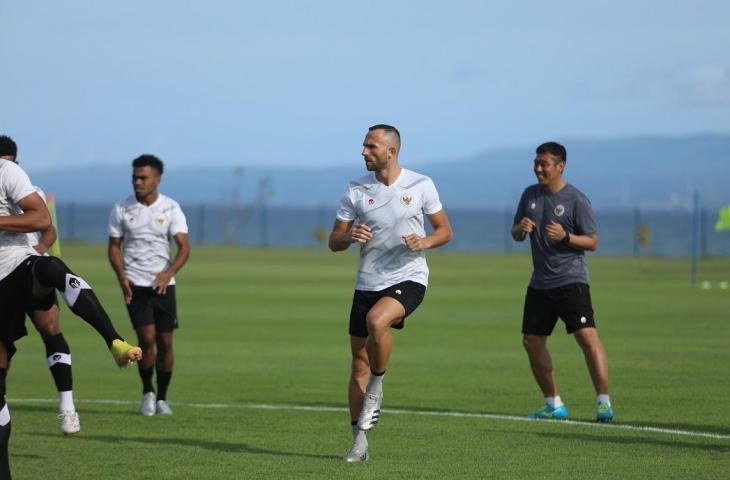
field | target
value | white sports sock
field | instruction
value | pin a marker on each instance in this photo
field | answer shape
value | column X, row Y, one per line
column 359, row 438
column 66, row 401
column 375, row 385
column 603, row 398
column 554, row 402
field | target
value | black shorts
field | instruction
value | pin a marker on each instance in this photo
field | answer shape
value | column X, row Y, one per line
column 572, row 303
column 150, row 308
column 16, row 297
column 409, row 294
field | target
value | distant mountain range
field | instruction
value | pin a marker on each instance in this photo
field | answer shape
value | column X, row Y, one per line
column 620, row 173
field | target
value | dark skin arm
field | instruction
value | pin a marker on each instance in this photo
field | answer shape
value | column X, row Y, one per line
column 35, row 216
column 162, row 279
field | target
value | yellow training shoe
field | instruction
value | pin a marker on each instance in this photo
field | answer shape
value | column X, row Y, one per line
column 125, row 354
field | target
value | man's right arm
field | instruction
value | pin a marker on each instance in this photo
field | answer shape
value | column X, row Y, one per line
column 522, row 228
column 116, row 259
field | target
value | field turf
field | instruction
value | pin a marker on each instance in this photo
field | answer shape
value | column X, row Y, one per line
column 262, row 360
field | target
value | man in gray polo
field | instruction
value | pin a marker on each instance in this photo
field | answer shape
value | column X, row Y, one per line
column 559, row 220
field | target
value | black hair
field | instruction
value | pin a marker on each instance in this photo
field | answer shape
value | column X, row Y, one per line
column 148, row 160
column 553, row 148
column 387, row 128
column 8, row 148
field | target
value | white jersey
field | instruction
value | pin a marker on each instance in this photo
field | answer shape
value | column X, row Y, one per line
column 146, row 232
column 391, row 212
column 14, row 186
column 35, row 237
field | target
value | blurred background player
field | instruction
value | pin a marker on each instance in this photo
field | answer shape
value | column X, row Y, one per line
column 559, row 220
column 383, row 212
column 140, row 229
column 28, row 281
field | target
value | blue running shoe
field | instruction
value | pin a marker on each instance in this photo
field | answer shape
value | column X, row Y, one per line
column 549, row 413
column 604, row 412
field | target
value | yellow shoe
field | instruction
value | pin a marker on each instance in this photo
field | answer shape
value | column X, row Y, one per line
column 125, row 354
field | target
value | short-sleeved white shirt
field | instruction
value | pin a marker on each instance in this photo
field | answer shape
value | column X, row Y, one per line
column 14, row 186
column 146, row 232
column 35, row 237
column 391, row 212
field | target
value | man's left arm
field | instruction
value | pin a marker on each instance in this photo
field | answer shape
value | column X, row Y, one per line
column 440, row 235
column 162, row 279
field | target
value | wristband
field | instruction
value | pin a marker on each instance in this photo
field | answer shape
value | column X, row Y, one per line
column 566, row 239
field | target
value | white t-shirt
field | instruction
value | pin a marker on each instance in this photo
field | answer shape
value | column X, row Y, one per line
column 35, row 237
column 146, row 232
column 391, row 212
column 14, row 186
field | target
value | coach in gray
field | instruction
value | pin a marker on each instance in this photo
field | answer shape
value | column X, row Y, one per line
column 559, row 220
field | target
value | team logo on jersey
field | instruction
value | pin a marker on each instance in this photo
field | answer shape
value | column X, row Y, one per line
column 406, row 199
column 532, row 206
column 371, row 201
column 559, row 210
column 160, row 220
column 73, row 282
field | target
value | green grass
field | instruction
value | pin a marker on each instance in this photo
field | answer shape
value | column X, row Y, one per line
column 270, row 326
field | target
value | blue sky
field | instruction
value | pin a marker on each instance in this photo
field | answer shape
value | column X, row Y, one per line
column 297, row 83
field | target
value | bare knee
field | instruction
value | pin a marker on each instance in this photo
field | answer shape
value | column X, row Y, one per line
column 533, row 343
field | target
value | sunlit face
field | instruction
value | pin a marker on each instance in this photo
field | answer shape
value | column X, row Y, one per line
column 375, row 151
column 145, row 181
column 548, row 168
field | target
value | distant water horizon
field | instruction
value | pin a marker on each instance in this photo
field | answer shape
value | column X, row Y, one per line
column 622, row 232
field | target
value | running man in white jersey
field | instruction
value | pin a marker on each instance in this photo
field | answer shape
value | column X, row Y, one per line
column 383, row 212
column 28, row 280
column 46, row 322
column 140, row 229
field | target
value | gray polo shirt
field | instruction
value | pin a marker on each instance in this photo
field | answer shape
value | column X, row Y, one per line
column 555, row 263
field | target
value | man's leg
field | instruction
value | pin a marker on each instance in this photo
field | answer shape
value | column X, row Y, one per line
column 4, row 416
column 58, row 356
column 359, row 374
column 163, row 364
column 51, row 272
column 541, row 364
column 380, row 318
column 146, row 339
column 597, row 362
column 596, row 358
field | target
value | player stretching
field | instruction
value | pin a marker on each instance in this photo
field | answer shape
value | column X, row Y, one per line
column 384, row 213
column 46, row 322
column 559, row 219
column 28, row 281
column 140, row 229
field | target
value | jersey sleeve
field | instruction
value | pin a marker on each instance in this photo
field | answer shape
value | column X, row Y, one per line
column 178, row 222
column 346, row 211
column 520, row 213
column 115, row 222
column 584, row 220
column 431, row 201
column 18, row 187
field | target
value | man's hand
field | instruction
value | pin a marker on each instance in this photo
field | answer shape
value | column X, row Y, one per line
column 555, row 232
column 360, row 234
column 161, row 281
column 415, row 243
column 126, row 285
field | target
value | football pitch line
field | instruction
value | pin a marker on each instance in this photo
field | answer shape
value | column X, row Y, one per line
column 396, row 411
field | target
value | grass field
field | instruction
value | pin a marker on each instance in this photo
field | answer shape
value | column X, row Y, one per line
column 262, row 360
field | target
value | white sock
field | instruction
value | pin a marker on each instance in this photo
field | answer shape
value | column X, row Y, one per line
column 554, row 402
column 358, row 437
column 375, row 385
column 603, row 399
column 66, row 401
